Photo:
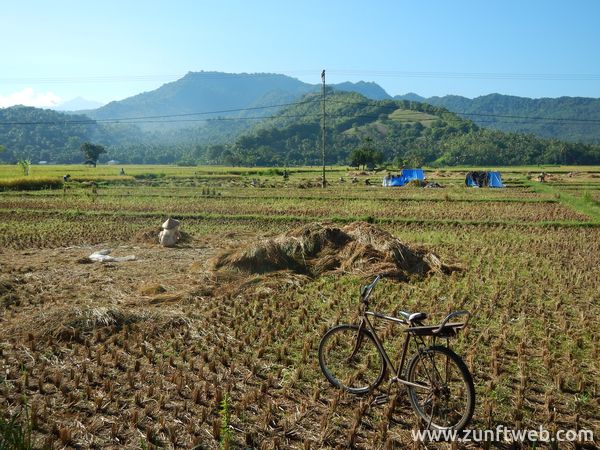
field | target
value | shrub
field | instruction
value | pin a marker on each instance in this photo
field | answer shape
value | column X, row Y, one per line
column 149, row 176
column 274, row 171
column 416, row 183
column 112, row 179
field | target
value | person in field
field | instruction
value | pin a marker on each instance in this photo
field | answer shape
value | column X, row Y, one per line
column 170, row 234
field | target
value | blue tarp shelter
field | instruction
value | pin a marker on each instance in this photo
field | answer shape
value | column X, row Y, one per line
column 495, row 180
column 484, row 179
column 405, row 177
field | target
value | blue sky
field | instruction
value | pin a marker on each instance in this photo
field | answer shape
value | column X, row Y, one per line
column 55, row 50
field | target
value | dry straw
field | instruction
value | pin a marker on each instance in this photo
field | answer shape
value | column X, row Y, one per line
column 319, row 248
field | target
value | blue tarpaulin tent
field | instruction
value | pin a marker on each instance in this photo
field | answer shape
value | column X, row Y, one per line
column 406, row 176
column 495, row 180
column 484, row 179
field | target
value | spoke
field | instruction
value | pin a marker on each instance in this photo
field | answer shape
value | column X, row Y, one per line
column 439, row 392
column 351, row 360
column 437, row 372
column 428, row 399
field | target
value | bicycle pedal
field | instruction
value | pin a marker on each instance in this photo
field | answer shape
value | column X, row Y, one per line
column 380, row 399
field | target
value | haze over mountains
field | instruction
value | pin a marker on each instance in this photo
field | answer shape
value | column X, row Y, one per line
column 205, row 109
column 573, row 119
column 77, row 104
column 216, row 94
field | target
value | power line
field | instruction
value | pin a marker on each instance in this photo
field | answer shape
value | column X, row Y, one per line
column 341, row 71
column 223, row 111
column 184, row 117
column 502, row 116
column 472, row 75
column 531, row 118
column 144, row 119
column 132, row 78
column 87, row 79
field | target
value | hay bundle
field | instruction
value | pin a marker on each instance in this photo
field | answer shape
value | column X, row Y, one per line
column 261, row 257
column 67, row 324
column 318, row 248
column 77, row 324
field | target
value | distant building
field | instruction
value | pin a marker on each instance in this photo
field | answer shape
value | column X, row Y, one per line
column 43, row 162
column 112, row 162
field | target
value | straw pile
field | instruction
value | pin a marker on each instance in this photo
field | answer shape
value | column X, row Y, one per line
column 319, row 248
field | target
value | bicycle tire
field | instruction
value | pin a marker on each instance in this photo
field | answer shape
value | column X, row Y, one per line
column 449, row 375
column 360, row 375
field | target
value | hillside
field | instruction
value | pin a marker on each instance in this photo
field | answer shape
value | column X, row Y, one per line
column 253, row 95
column 78, row 104
column 248, row 122
column 368, row 89
column 218, row 94
column 404, row 132
column 206, row 92
column 43, row 134
column 576, row 119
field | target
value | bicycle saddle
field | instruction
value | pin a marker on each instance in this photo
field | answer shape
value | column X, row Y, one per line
column 414, row 317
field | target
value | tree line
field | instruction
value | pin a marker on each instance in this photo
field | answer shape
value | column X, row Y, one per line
column 359, row 131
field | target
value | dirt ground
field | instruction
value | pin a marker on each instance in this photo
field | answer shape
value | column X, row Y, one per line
column 40, row 280
column 143, row 353
column 108, row 355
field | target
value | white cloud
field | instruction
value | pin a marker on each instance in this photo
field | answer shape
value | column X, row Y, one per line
column 29, row 97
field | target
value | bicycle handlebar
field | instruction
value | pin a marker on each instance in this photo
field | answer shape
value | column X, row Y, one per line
column 365, row 292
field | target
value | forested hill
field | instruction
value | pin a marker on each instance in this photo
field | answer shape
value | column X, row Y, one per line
column 43, row 134
column 214, row 92
column 398, row 131
column 403, row 131
column 218, row 94
column 574, row 119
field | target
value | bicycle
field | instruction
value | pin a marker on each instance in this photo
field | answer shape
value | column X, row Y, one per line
column 439, row 384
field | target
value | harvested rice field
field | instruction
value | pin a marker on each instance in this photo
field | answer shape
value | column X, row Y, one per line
column 213, row 343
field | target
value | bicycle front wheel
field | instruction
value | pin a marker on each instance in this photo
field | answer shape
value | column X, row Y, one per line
column 350, row 359
column 446, row 396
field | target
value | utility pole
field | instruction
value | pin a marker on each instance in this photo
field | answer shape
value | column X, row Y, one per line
column 324, row 183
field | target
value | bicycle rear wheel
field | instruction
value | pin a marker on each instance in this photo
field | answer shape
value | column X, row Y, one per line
column 446, row 399
column 351, row 360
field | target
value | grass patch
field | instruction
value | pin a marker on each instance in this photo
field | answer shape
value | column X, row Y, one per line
column 30, row 184
column 149, row 176
column 408, row 116
column 16, row 435
column 103, row 179
column 584, row 204
column 70, row 214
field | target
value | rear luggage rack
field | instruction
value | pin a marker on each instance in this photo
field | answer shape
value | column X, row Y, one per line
column 445, row 329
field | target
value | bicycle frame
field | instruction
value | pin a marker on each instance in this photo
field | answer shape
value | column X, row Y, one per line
column 447, row 395
column 366, row 323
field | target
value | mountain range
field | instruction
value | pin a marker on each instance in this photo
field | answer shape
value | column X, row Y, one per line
column 204, row 95
column 77, row 104
column 214, row 108
column 573, row 119
column 401, row 131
